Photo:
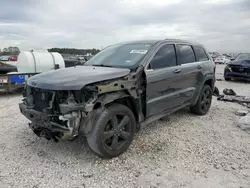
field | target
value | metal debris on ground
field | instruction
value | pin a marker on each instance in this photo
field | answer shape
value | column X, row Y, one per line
column 244, row 123
column 231, row 96
column 243, row 100
column 241, row 113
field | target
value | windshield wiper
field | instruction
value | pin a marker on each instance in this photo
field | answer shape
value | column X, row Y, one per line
column 102, row 65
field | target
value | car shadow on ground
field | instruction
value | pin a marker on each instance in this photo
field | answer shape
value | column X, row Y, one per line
column 11, row 93
column 5, row 94
column 79, row 149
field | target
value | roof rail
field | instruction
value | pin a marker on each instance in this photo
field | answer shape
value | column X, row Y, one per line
column 183, row 40
column 172, row 39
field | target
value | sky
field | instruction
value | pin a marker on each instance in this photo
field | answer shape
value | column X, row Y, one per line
column 220, row 25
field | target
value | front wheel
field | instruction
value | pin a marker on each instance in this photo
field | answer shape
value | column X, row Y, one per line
column 204, row 101
column 113, row 131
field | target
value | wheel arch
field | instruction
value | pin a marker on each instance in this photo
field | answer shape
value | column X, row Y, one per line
column 120, row 97
column 209, row 80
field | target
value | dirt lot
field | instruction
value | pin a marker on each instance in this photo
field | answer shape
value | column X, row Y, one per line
column 182, row 151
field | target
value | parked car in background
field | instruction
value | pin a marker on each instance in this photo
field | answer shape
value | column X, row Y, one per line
column 221, row 60
column 9, row 60
column 119, row 89
column 81, row 59
column 238, row 68
column 4, row 58
column 13, row 58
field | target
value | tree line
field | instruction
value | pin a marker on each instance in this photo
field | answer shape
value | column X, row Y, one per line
column 11, row 50
column 15, row 51
column 74, row 51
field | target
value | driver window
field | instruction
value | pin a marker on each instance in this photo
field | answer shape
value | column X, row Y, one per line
column 164, row 57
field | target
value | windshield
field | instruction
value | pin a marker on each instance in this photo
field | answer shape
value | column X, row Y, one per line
column 121, row 55
column 243, row 57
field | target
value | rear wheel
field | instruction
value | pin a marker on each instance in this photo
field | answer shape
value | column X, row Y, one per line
column 204, row 101
column 113, row 131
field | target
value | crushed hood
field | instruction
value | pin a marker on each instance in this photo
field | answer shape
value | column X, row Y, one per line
column 74, row 78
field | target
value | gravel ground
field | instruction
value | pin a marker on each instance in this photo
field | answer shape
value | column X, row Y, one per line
column 183, row 150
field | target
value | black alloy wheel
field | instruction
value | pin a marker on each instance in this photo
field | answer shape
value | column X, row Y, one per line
column 117, row 131
column 204, row 101
column 113, row 131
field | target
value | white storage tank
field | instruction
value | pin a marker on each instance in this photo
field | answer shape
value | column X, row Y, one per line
column 39, row 61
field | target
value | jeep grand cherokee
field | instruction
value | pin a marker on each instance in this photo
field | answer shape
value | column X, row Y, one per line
column 123, row 87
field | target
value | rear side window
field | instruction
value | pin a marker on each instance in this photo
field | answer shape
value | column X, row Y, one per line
column 164, row 57
column 200, row 54
column 185, row 54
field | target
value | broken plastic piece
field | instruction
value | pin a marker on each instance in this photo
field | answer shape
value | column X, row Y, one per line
column 216, row 91
column 229, row 92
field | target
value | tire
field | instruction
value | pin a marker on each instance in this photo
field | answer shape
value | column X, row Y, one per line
column 109, row 138
column 204, row 101
column 227, row 79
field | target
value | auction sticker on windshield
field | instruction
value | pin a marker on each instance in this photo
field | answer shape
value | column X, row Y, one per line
column 139, row 51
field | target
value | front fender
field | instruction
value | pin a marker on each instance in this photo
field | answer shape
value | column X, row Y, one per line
column 110, row 97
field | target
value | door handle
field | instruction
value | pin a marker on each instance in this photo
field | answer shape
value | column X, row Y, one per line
column 199, row 66
column 177, row 70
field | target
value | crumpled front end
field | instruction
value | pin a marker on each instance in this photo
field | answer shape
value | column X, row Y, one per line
column 56, row 114
column 64, row 114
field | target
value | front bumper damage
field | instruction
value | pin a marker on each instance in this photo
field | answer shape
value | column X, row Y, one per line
column 44, row 125
column 55, row 114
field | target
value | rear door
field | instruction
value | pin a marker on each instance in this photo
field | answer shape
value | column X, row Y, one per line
column 191, row 72
column 163, row 81
column 203, row 62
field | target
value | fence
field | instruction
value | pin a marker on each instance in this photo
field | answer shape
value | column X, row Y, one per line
column 7, row 84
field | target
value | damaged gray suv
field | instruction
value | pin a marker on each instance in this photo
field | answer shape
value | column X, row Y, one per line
column 123, row 87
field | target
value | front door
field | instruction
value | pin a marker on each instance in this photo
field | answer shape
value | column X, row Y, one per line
column 163, row 81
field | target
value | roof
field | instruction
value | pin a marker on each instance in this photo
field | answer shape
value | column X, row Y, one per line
column 183, row 41
column 163, row 40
